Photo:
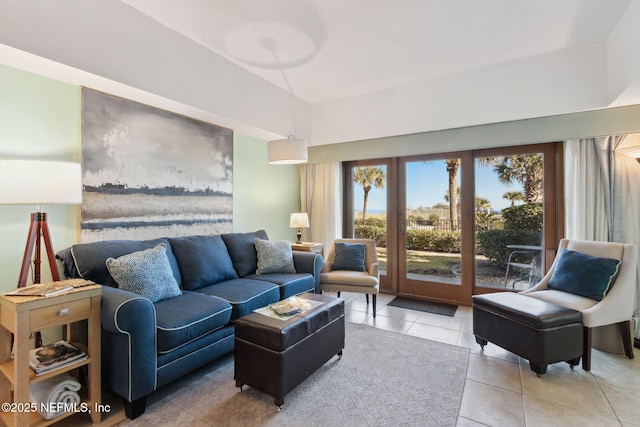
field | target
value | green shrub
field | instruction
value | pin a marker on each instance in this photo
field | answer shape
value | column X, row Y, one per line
column 433, row 241
column 379, row 234
column 419, row 240
column 523, row 217
column 493, row 243
column 373, row 221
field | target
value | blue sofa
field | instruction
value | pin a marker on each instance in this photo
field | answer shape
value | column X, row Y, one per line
column 146, row 344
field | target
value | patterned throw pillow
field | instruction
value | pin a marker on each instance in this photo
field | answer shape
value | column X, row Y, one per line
column 147, row 273
column 274, row 257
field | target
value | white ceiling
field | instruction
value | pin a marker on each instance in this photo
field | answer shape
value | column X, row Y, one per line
column 359, row 69
column 334, row 49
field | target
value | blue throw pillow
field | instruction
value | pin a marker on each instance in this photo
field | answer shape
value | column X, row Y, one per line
column 203, row 261
column 583, row 274
column 242, row 250
column 147, row 273
column 349, row 256
column 89, row 258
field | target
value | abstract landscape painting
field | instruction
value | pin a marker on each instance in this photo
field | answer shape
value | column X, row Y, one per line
column 151, row 173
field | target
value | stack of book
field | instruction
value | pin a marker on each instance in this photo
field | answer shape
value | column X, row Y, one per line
column 54, row 356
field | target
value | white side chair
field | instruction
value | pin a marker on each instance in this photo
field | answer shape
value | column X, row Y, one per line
column 366, row 282
column 618, row 304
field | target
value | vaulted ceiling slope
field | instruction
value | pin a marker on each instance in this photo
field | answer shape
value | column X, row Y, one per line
column 357, row 68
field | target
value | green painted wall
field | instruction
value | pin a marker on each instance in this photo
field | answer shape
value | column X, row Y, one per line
column 264, row 195
column 41, row 118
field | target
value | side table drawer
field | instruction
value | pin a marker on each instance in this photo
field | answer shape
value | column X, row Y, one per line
column 59, row 314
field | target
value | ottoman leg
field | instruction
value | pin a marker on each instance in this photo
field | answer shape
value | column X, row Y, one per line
column 481, row 341
column 574, row 362
column 538, row 369
column 278, row 401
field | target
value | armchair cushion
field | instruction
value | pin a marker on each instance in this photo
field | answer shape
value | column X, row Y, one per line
column 203, row 261
column 146, row 273
column 349, row 256
column 274, row 257
column 347, row 277
column 583, row 274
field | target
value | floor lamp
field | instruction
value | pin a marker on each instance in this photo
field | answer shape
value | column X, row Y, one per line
column 39, row 182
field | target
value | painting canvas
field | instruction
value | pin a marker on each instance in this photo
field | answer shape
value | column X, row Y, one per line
column 150, row 173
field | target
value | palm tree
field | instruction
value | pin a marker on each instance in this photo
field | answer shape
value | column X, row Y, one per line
column 513, row 196
column 368, row 177
column 523, row 168
column 452, row 170
column 483, row 212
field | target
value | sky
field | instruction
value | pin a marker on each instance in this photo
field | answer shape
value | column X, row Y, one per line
column 429, row 182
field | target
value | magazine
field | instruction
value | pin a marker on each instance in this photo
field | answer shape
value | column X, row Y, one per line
column 291, row 305
column 285, row 308
column 49, row 289
column 53, row 356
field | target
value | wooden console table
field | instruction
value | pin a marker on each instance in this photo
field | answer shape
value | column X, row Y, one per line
column 24, row 315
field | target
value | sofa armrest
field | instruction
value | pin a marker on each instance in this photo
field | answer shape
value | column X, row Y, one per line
column 129, row 359
column 309, row 262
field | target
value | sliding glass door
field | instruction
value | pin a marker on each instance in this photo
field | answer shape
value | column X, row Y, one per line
column 369, row 188
column 450, row 225
column 430, row 234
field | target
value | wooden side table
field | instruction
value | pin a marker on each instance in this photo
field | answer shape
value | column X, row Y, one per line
column 308, row 247
column 22, row 316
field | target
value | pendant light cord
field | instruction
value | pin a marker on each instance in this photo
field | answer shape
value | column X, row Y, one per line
column 272, row 48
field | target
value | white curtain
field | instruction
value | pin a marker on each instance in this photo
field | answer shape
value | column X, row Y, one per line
column 321, row 198
column 602, row 192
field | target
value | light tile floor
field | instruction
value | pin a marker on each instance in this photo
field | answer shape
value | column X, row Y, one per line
column 501, row 390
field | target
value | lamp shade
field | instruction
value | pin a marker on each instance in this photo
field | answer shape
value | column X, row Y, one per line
column 287, row 151
column 299, row 220
column 39, row 182
column 631, row 151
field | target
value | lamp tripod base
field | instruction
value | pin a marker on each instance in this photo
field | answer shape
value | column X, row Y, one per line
column 39, row 229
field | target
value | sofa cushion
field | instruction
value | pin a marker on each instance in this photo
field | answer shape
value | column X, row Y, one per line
column 188, row 317
column 349, row 256
column 245, row 295
column 89, row 258
column 290, row 284
column 146, row 273
column 583, row 274
column 242, row 250
column 274, row 257
column 203, row 260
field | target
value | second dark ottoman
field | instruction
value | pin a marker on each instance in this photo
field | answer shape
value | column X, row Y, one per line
column 536, row 330
column 274, row 355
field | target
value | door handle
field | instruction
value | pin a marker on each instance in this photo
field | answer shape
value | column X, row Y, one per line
column 401, row 227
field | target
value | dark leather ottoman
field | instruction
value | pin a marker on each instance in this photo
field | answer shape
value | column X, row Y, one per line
column 536, row 330
column 274, row 355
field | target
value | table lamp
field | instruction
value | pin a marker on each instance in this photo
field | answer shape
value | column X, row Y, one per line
column 39, row 182
column 299, row 220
